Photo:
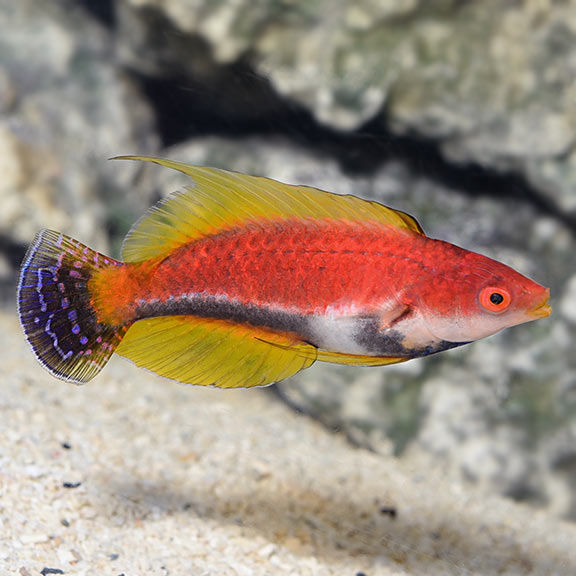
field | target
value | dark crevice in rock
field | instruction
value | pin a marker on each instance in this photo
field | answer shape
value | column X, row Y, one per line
column 330, row 422
column 13, row 251
column 424, row 158
column 238, row 103
column 235, row 103
column 102, row 10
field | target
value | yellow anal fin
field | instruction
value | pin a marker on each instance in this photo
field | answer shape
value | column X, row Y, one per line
column 222, row 200
column 209, row 352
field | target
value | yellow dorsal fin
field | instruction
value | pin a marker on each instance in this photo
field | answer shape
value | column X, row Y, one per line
column 221, row 200
column 211, row 352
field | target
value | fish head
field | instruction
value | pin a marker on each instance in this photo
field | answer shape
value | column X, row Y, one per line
column 479, row 297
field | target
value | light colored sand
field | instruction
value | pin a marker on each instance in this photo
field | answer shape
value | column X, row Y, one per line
column 187, row 481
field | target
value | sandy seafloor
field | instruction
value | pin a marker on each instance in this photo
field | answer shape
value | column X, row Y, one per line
column 134, row 475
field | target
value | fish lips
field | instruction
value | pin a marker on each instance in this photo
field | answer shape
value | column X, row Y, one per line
column 543, row 308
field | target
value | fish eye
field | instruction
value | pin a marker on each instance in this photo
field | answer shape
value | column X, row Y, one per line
column 495, row 299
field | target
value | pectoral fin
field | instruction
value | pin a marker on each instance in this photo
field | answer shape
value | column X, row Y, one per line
column 390, row 313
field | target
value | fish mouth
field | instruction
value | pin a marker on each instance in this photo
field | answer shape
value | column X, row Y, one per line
column 542, row 309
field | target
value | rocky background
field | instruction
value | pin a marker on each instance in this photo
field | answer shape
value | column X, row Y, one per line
column 460, row 113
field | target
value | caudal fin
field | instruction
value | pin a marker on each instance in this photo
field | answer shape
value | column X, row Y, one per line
column 56, row 311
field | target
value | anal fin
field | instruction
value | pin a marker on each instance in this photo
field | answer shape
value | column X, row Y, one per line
column 210, row 352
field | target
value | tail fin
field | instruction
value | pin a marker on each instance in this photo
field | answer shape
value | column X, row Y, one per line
column 56, row 313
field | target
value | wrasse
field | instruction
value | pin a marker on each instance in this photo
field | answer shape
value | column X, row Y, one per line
column 243, row 281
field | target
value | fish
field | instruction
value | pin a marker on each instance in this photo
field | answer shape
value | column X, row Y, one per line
column 242, row 281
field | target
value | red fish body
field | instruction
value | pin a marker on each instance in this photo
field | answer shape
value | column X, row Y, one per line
column 242, row 281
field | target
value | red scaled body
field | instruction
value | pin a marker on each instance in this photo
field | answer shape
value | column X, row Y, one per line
column 305, row 267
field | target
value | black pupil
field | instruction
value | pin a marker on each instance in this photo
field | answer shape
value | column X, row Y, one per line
column 496, row 298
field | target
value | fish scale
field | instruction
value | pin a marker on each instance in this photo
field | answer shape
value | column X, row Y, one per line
column 302, row 266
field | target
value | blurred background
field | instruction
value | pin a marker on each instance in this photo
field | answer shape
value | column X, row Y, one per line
column 460, row 113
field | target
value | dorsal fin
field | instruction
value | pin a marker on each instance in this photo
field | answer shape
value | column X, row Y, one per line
column 221, row 200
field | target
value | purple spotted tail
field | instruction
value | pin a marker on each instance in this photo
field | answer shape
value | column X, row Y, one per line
column 55, row 307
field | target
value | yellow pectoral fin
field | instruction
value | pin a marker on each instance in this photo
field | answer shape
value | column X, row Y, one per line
column 210, row 352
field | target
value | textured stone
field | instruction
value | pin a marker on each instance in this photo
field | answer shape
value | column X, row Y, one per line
column 64, row 108
column 494, row 83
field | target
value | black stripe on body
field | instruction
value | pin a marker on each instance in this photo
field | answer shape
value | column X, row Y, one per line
column 375, row 340
column 366, row 333
column 219, row 308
